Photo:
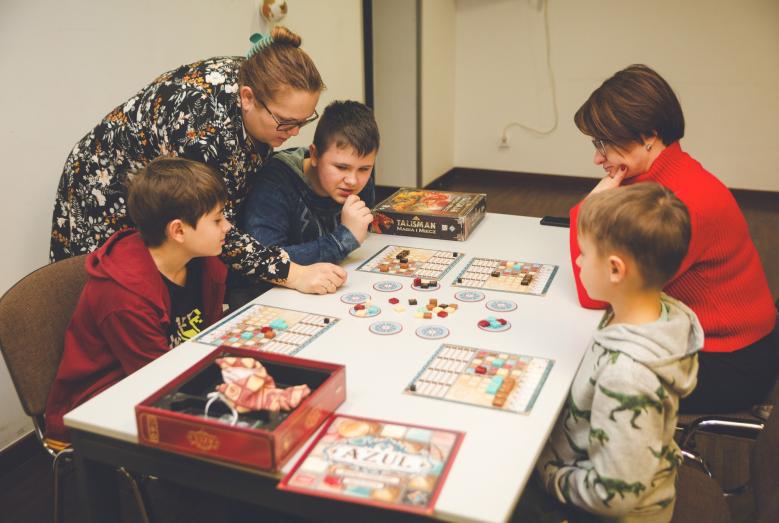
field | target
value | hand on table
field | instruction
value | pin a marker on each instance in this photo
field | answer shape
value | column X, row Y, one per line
column 317, row 278
column 356, row 216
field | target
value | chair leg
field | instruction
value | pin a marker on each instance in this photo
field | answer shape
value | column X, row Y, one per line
column 138, row 496
column 55, row 467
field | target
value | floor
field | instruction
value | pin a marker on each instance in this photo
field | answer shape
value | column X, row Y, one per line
column 26, row 492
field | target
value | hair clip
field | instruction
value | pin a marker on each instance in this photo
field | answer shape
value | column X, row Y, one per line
column 259, row 42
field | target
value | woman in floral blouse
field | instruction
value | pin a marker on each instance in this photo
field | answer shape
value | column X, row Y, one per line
column 227, row 112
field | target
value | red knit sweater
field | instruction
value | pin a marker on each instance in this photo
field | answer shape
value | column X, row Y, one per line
column 721, row 278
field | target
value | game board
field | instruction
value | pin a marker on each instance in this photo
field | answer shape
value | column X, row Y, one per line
column 480, row 377
column 424, row 263
column 269, row 329
column 385, row 464
column 507, row 276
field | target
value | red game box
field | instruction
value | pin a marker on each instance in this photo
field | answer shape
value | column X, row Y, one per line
column 173, row 417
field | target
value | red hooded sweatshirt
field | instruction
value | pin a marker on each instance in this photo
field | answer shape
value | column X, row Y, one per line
column 120, row 322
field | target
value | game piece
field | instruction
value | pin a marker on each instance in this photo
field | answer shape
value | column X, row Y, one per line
column 355, row 297
column 442, row 314
column 385, row 328
column 501, row 305
column 411, row 262
column 493, row 324
column 399, row 308
column 251, row 328
column 485, row 378
column 427, row 315
column 433, row 301
column 412, row 301
column 425, row 284
column 469, row 296
column 394, row 301
column 432, row 332
column 507, row 276
column 361, row 311
column 388, row 286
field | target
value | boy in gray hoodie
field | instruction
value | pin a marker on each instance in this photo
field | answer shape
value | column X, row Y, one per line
column 612, row 451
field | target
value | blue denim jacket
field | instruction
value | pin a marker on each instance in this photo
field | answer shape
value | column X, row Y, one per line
column 282, row 210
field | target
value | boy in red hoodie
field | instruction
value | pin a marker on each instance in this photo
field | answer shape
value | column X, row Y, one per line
column 149, row 289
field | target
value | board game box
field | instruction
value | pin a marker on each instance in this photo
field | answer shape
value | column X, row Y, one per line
column 503, row 381
column 429, row 214
column 386, row 464
column 242, row 406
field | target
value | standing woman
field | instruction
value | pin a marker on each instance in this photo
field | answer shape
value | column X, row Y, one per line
column 635, row 122
column 227, row 112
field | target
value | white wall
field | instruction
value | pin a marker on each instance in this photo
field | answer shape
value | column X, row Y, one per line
column 720, row 56
column 66, row 64
column 437, row 87
column 395, row 90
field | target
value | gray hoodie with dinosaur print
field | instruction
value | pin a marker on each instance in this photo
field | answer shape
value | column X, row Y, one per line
column 612, row 451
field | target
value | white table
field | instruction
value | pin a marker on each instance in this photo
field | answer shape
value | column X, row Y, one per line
column 499, row 448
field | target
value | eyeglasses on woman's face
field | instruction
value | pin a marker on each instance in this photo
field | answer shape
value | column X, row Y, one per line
column 600, row 146
column 288, row 125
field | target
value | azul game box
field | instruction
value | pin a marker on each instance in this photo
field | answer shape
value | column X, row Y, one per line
column 242, row 406
column 429, row 214
column 385, row 464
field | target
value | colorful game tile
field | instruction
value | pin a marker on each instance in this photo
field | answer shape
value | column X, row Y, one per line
column 501, row 305
column 355, row 297
column 507, row 276
column 385, row 328
column 493, row 324
column 469, row 296
column 389, row 465
column 364, row 310
column 411, row 262
column 387, row 286
column 432, row 332
column 463, row 374
column 269, row 329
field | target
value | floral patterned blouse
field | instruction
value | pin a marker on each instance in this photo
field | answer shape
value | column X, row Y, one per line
column 191, row 112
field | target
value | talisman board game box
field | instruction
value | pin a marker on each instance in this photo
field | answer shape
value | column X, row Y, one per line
column 385, row 464
column 242, row 406
column 429, row 214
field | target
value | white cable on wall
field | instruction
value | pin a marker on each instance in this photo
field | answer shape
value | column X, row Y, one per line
column 504, row 135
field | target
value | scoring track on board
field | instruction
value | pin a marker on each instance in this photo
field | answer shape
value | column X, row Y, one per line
column 411, row 262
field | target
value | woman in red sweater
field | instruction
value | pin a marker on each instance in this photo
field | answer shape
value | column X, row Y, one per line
column 635, row 122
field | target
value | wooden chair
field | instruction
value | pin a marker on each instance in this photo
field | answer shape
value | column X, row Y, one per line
column 34, row 315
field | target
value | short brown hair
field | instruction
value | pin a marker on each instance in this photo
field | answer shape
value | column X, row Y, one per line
column 347, row 123
column 646, row 221
column 171, row 188
column 633, row 104
column 278, row 65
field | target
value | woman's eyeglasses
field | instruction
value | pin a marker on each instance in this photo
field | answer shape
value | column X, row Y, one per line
column 288, row 125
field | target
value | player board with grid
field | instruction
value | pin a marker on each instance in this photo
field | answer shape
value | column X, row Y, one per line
column 507, row 276
column 481, row 377
column 411, row 262
column 269, row 329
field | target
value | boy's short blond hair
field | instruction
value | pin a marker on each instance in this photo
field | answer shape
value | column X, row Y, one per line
column 645, row 221
column 171, row 188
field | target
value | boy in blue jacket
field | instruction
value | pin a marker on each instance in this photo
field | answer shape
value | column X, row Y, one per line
column 315, row 202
